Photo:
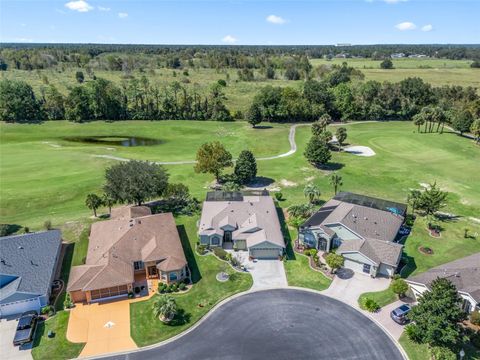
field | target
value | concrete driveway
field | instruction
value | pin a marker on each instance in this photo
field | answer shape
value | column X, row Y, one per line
column 7, row 350
column 266, row 274
column 280, row 324
column 383, row 317
column 347, row 286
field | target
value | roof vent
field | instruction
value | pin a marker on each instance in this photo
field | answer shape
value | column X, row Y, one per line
column 20, row 247
column 4, row 262
column 365, row 218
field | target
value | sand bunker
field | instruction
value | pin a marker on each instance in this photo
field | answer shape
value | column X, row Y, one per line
column 360, row 150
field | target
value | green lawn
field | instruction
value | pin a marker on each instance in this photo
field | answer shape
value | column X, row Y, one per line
column 207, row 291
column 300, row 274
column 382, row 298
column 57, row 347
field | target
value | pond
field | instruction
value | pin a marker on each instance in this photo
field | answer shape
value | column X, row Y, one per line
column 127, row 141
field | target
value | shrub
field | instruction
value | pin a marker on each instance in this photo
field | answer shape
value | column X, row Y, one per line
column 442, row 353
column 161, row 288
column 182, row 286
column 47, row 225
column 475, row 318
column 68, row 303
column 371, row 305
column 222, row 82
column 220, row 253
column 130, row 295
column 278, row 195
column 174, row 287
column 475, row 339
column 234, row 261
column 46, row 309
column 228, row 257
column 399, row 287
column 201, row 249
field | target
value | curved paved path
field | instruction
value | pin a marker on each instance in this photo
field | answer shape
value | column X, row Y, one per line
column 291, row 140
column 278, row 324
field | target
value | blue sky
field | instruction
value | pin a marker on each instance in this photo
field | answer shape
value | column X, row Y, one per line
column 240, row 22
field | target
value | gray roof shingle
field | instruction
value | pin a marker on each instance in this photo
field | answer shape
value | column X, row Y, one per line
column 27, row 263
column 464, row 273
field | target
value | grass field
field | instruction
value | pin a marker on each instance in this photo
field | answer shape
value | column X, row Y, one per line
column 382, row 298
column 41, row 182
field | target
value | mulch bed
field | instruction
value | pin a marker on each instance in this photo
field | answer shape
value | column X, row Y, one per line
column 434, row 233
column 425, row 250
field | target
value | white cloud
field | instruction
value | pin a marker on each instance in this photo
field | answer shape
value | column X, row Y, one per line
column 229, row 39
column 274, row 19
column 103, row 8
column 428, row 27
column 394, row 1
column 407, row 25
column 122, row 15
column 79, row 5
column 23, row 40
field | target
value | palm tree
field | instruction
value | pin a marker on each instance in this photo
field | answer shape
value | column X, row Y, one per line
column 108, row 201
column 418, row 120
column 336, row 181
column 165, row 308
column 93, row 202
column 311, row 191
column 302, row 211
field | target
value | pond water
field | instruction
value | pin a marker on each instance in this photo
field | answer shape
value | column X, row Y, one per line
column 127, row 141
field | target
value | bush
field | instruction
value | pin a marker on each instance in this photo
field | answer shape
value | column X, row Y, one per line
column 182, row 286
column 222, row 82
column 475, row 318
column 371, row 305
column 68, row 303
column 234, row 261
column 278, row 195
column 220, row 253
column 174, row 287
column 442, row 353
column 201, row 249
column 399, row 287
column 46, row 310
column 161, row 288
column 475, row 339
column 47, row 225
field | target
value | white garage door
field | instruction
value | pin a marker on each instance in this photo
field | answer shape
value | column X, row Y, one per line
column 19, row 307
column 353, row 265
column 264, row 253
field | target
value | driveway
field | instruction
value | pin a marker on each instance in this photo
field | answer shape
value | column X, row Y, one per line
column 7, row 350
column 104, row 327
column 347, row 286
column 383, row 317
column 266, row 274
column 279, row 324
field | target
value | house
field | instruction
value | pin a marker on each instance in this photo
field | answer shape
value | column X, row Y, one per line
column 28, row 264
column 361, row 228
column 464, row 273
column 126, row 251
column 242, row 221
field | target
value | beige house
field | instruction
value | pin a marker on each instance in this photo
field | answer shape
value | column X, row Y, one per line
column 125, row 251
column 361, row 228
column 242, row 221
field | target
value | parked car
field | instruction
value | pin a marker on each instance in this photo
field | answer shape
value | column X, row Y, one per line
column 25, row 328
column 399, row 315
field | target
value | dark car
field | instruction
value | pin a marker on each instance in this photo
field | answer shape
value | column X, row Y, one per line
column 399, row 315
column 25, row 328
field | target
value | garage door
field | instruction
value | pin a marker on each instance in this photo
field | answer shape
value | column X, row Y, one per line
column 109, row 292
column 353, row 265
column 19, row 307
column 264, row 253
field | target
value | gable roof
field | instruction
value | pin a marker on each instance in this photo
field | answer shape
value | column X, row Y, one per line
column 27, row 264
column 114, row 245
column 464, row 273
column 370, row 218
column 253, row 216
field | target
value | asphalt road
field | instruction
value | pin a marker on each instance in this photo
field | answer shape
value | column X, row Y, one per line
column 279, row 324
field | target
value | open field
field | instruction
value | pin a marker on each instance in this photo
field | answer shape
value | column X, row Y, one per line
column 41, row 182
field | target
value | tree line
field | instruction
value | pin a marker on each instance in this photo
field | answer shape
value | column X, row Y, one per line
column 100, row 99
column 116, row 56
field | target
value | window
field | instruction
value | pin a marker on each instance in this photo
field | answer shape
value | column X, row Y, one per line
column 215, row 240
column 173, row 276
column 366, row 268
column 138, row 265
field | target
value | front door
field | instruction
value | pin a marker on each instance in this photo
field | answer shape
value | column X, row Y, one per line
column 227, row 236
column 322, row 244
column 152, row 272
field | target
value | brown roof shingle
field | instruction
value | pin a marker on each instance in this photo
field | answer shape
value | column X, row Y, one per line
column 114, row 245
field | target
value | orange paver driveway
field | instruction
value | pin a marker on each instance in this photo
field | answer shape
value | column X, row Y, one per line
column 104, row 327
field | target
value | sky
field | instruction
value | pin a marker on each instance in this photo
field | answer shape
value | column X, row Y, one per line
column 247, row 22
